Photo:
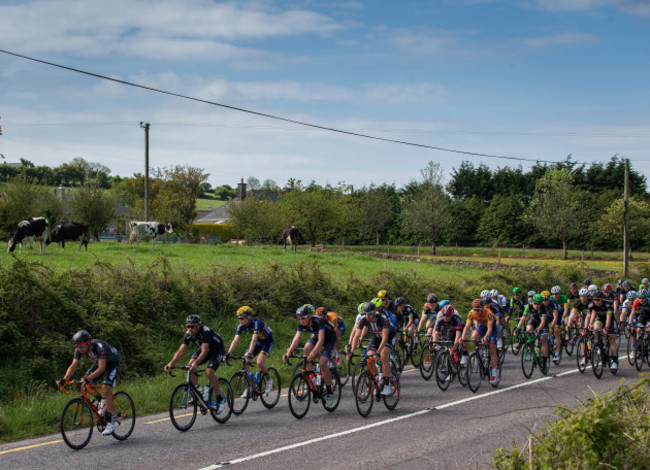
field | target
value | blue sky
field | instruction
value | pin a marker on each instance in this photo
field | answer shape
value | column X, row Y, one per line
column 536, row 79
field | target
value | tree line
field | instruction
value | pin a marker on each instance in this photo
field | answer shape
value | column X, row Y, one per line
column 546, row 206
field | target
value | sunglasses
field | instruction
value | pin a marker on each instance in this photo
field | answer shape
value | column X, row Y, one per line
column 80, row 345
column 303, row 318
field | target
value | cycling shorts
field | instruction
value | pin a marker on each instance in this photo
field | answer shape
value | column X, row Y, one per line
column 109, row 373
column 494, row 336
column 535, row 322
column 328, row 347
column 213, row 359
column 265, row 346
column 375, row 341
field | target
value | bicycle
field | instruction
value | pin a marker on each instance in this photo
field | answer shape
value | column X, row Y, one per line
column 601, row 354
column 244, row 388
column 368, row 385
column 77, row 418
column 518, row 340
column 306, row 385
column 428, row 357
column 411, row 349
column 530, row 356
column 448, row 367
column 186, row 399
column 478, row 365
column 569, row 339
column 583, row 349
column 642, row 348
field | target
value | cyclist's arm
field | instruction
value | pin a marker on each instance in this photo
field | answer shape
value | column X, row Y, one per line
column 177, row 356
column 423, row 321
column 608, row 322
column 360, row 336
column 233, row 345
column 205, row 347
column 101, row 367
column 251, row 347
column 71, row 369
column 319, row 345
column 294, row 343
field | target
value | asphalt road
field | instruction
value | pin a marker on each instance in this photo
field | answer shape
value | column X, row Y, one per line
column 428, row 429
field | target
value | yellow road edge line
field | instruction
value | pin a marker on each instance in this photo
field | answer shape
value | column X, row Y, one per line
column 18, row 449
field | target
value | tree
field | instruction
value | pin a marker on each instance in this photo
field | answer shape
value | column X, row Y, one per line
column 253, row 183
column 503, row 221
column 609, row 227
column 21, row 199
column 95, row 207
column 256, row 220
column 426, row 213
column 269, row 185
column 555, row 209
column 376, row 211
column 463, row 216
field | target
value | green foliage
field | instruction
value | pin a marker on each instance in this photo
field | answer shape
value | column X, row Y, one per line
column 224, row 231
column 94, row 206
column 21, row 199
column 610, row 431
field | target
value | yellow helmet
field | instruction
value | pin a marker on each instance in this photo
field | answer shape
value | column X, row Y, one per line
column 545, row 294
column 383, row 293
column 245, row 310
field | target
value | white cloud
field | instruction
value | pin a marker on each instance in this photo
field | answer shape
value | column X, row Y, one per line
column 632, row 7
column 561, row 39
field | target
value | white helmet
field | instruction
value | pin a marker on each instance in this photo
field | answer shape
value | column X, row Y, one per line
column 584, row 291
column 644, row 280
column 593, row 288
column 485, row 293
column 494, row 293
column 531, row 293
column 556, row 289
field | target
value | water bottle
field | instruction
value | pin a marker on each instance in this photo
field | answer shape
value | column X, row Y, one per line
column 319, row 378
column 206, row 393
column 102, row 407
column 252, row 376
column 257, row 378
column 380, row 377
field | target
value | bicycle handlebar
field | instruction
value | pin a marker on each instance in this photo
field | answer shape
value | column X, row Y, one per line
column 86, row 386
column 196, row 372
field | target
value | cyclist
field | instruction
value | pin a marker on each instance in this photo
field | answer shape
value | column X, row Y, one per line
column 609, row 296
column 626, row 287
column 430, row 309
column 106, row 364
column 573, row 292
column 261, row 344
column 602, row 316
column 586, row 283
column 382, row 341
column 450, row 327
column 486, row 329
column 339, row 328
column 210, row 349
column 490, row 301
column 644, row 284
column 322, row 342
column 527, row 307
column 560, row 310
column 408, row 312
column 539, row 320
column 517, row 304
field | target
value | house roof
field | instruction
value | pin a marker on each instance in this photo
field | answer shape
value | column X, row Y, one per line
column 221, row 215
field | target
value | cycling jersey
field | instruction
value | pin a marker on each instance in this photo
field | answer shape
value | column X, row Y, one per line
column 517, row 306
column 571, row 296
column 100, row 350
column 410, row 312
column 482, row 317
column 316, row 325
column 449, row 328
column 642, row 311
column 430, row 309
column 388, row 315
column 579, row 307
column 336, row 321
column 561, row 300
column 376, row 328
column 602, row 311
column 255, row 326
column 216, row 349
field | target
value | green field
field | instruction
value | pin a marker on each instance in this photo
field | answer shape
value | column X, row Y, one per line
column 204, row 203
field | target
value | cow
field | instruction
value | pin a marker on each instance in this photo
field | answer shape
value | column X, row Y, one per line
column 147, row 231
column 35, row 228
column 292, row 236
column 75, row 231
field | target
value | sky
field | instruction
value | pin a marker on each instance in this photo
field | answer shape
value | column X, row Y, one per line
column 526, row 79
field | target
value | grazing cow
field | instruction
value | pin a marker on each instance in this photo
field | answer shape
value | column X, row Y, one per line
column 147, row 231
column 35, row 228
column 293, row 237
column 75, row 231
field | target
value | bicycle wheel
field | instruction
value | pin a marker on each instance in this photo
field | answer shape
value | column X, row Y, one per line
column 515, row 344
column 299, row 396
column 356, row 372
column 269, row 400
column 501, row 356
column 241, row 391
column 124, row 417
column 444, row 369
column 462, row 372
column 640, row 352
column 415, row 353
column 544, row 364
column 400, row 358
column 336, row 390
column 427, row 361
column 226, row 394
column 629, row 351
column 344, row 368
column 364, row 394
column 626, row 330
column 569, row 344
column 182, row 407
column 582, row 351
column 506, row 335
column 391, row 401
column 597, row 360
column 528, row 360
column 474, row 372
column 77, row 423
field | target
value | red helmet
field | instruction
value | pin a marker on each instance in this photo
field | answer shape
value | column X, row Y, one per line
column 476, row 303
column 607, row 288
column 447, row 310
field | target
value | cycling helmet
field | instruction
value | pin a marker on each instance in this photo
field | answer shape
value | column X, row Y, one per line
column 545, row 295
column 192, row 320
column 245, row 310
column 476, row 303
column 516, row 290
column 619, row 282
column 360, row 307
column 369, row 308
column 631, row 295
column 593, row 288
column 494, row 293
column 537, row 299
column 607, row 288
column 81, row 337
column 447, row 310
column 573, row 285
column 584, row 291
column 485, row 293
column 598, row 295
column 531, row 293
column 320, row 311
column 443, row 303
column 642, row 291
column 383, row 293
column 432, row 298
column 377, row 301
column 556, row 290
column 644, row 280
column 643, row 294
column 305, row 310
column 627, row 284
column 586, row 282
column 400, row 301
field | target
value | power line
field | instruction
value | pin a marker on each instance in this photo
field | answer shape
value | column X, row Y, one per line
column 271, row 116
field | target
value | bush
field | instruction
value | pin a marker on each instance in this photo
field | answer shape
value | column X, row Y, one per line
column 225, row 232
column 612, row 431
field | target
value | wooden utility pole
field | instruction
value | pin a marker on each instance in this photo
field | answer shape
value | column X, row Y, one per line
column 145, row 126
column 626, row 226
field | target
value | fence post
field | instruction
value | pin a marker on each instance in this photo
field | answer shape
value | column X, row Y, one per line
column 523, row 250
column 418, row 251
column 499, row 260
column 342, row 244
column 582, row 260
column 389, row 248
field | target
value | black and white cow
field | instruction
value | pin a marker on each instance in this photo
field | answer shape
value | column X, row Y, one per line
column 147, row 231
column 75, row 231
column 35, row 228
column 292, row 236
